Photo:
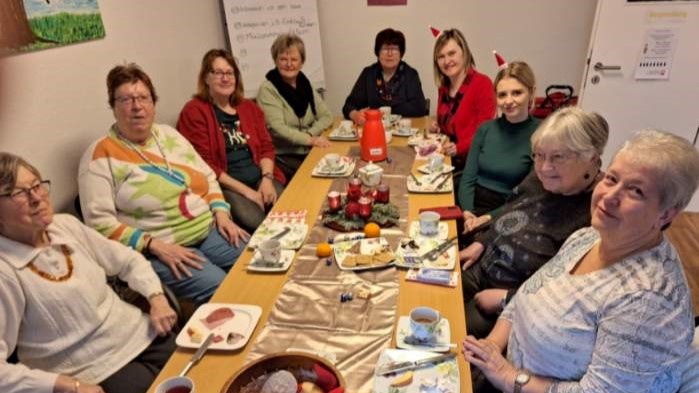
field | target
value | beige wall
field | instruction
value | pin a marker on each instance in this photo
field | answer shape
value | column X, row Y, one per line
column 55, row 104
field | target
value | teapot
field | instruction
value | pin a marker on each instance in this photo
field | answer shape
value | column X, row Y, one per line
column 370, row 175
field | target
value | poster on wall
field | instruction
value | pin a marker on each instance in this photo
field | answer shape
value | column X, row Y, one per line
column 29, row 25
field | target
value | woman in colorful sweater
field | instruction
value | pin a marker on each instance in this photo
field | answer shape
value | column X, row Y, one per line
column 229, row 133
column 465, row 96
column 145, row 186
column 500, row 154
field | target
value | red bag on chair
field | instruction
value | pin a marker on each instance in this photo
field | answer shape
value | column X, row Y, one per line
column 557, row 97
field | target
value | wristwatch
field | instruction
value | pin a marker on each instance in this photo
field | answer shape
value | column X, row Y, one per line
column 521, row 379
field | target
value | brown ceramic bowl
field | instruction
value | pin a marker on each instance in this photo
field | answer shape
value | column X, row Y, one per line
column 273, row 362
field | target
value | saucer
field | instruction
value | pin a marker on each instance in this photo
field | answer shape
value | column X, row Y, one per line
column 258, row 265
column 443, row 336
column 399, row 132
column 442, row 231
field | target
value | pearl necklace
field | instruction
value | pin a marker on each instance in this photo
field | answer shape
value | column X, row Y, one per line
column 51, row 277
column 169, row 171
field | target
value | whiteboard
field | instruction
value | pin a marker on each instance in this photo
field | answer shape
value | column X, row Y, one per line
column 252, row 26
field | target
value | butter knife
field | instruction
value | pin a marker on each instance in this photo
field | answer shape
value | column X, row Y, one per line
column 434, row 253
column 438, row 176
column 198, row 354
column 396, row 367
column 446, row 179
column 281, row 234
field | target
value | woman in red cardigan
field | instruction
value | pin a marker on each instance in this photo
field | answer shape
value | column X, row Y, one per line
column 466, row 97
column 230, row 134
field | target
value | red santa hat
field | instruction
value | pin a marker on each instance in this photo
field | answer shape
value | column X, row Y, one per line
column 435, row 32
column 502, row 64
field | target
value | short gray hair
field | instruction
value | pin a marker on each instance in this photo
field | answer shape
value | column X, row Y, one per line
column 584, row 133
column 674, row 161
column 286, row 41
column 9, row 165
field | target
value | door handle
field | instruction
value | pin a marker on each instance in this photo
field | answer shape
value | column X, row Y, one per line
column 601, row 67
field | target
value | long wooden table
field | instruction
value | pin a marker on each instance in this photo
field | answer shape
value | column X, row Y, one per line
column 242, row 287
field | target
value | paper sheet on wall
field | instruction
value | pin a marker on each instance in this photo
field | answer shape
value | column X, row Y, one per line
column 252, row 26
column 655, row 60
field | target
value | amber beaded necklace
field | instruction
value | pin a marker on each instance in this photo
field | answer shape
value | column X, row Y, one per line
column 51, row 277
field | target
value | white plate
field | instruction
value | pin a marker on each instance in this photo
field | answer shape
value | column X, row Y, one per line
column 292, row 240
column 426, row 187
column 243, row 322
column 443, row 336
column 345, row 168
column 366, row 247
column 258, row 265
column 337, row 135
column 444, row 375
column 445, row 260
column 426, row 169
column 398, row 132
column 442, row 230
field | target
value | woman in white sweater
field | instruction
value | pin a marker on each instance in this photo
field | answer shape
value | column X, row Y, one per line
column 71, row 332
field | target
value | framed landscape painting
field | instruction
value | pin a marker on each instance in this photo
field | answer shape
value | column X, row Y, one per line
column 27, row 25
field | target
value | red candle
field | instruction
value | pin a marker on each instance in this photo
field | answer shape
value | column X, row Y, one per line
column 334, row 202
column 365, row 207
column 382, row 193
column 354, row 189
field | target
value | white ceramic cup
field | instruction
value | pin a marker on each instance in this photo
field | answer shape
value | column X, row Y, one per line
column 270, row 250
column 346, row 126
column 332, row 160
column 405, row 126
column 386, row 125
column 385, row 112
column 436, row 163
column 424, row 322
column 429, row 223
column 176, row 385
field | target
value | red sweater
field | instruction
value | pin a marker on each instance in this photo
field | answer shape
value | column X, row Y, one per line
column 477, row 106
column 198, row 124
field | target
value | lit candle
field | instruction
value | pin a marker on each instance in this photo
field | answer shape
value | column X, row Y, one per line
column 334, row 201
column 365, row 207
column 382, row 193
column 354, row 189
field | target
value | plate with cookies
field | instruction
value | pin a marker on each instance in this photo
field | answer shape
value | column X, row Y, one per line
column 363, row 254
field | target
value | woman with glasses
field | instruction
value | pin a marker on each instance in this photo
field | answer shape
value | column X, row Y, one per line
column 230, row 134
column 388, row 82
column 552, row 202
column 465, row 97
column 296, row 115
column 145, row 186
column 500, row 155
column 70, row 331
column 611, row 311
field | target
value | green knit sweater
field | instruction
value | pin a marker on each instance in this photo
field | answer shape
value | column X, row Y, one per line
column 499, row 159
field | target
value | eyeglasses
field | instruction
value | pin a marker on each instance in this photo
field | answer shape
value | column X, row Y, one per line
column 220, row 74
column 21, row 195
column 130, row 101
column 554, row 158
column 390, row 49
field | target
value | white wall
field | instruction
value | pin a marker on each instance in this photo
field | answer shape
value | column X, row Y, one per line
column 55, row 101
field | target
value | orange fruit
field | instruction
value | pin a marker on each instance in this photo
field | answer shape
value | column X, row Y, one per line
column 323, row 250
column 372, row 229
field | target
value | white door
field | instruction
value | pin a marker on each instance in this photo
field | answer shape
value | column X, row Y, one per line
column 621, row 31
